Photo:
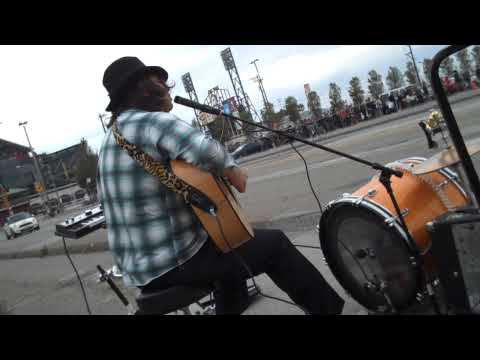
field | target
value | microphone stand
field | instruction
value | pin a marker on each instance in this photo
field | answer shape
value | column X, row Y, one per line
column 385, row 173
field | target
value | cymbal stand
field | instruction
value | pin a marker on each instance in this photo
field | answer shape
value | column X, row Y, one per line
column 386, row 182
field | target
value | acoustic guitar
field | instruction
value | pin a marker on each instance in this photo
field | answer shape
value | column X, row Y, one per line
column 230, row 227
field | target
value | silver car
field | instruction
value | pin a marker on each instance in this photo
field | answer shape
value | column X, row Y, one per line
column 19, row 224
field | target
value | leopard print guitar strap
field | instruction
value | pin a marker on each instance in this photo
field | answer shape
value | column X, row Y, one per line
column 190, row 194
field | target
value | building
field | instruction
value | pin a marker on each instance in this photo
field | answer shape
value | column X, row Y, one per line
column 16, row 177
column 59, row 167
column 16, row 166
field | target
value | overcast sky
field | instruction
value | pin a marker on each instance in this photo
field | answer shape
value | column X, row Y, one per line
column 59, row 91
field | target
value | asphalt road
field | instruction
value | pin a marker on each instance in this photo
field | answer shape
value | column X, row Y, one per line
column 277, row 188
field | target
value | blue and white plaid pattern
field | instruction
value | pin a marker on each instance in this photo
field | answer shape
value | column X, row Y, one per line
column 150, row 228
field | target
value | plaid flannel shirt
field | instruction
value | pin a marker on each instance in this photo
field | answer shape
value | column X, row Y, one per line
column 150, row 228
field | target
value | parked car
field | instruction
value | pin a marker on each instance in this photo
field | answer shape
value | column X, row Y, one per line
column 54, row 207
column 37, row 209
column 80, row 194
column 20, row 223
column 66, row 198
column 251, row 148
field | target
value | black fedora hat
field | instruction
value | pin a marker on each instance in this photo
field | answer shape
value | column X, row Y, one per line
column 122, row 73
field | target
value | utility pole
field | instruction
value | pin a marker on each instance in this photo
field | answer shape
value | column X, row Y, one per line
column 410, row 55
column 100, row 116
column 260, row 84
column 262, row 90
column 37, row 167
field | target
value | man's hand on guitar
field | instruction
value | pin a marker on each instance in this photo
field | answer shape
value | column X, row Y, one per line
column 237, row 177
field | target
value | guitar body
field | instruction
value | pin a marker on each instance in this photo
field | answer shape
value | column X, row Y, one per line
column 234, row 224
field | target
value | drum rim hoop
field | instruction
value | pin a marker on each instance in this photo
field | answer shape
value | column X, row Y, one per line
column 377, row 209
column 446, row 171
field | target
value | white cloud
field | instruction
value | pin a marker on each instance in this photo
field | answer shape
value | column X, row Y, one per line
column 59, row 91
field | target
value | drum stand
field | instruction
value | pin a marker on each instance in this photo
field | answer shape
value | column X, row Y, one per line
column 386, row 182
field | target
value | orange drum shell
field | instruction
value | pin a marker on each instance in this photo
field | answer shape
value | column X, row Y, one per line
column 419, row 197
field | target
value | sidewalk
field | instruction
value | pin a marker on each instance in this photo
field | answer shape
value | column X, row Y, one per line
column 97, row 241
column 423, row 108
column 57, row 292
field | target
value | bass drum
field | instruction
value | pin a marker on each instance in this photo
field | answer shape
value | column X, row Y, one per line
column 364, row 244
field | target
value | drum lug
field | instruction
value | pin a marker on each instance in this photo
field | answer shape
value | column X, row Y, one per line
column 372, row 192
column 391, row 220
column 359, row 200
column 442, row 184
column 430, row 226
column 346, row 194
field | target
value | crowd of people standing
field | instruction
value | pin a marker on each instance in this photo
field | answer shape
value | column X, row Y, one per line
column 387, row 103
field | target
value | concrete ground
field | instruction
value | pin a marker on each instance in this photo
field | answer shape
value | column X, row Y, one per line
column 48, row 286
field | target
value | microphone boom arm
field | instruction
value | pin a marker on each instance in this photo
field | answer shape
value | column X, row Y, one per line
column 213, row 111
column 385, row 174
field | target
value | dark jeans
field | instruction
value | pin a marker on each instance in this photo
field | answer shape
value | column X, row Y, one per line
column 270, row 252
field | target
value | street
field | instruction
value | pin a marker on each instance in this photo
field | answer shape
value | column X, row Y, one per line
column 277, row 188
column 278, row 185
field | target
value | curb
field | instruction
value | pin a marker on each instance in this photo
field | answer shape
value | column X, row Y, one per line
column 351, row 129
column 297, row 222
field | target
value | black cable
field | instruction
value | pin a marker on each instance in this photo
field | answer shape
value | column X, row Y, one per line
column 308, row 177
column 78, row 276
column 305, row 246
column 308, row 246
column 245, row 265
column 321, row 212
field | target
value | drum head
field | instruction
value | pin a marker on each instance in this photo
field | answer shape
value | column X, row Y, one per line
column 360, row 247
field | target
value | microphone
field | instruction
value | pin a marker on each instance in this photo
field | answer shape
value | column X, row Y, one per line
column 196, row 105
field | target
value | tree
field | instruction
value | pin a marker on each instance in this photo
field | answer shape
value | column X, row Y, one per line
column 375, row 84
column 476, row 55
column 221, row 129
column 335, row 95
column 427, row 69
column 463, row 58
column 447, row 66
column 86, row 167
column 292, row 109
column 269, row 116
column 314, row 104
column 394, row 78
column 411, row 74
column 356, row 92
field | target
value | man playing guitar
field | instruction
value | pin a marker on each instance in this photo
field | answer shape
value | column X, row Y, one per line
column 156, row 238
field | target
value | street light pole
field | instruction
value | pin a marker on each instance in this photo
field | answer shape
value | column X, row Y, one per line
column 35, row 162
column 260, row 82
column 410, row 54
column 100, row 116
column 262, row 90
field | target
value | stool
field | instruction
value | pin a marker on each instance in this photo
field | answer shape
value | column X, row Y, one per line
column 168, row 300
